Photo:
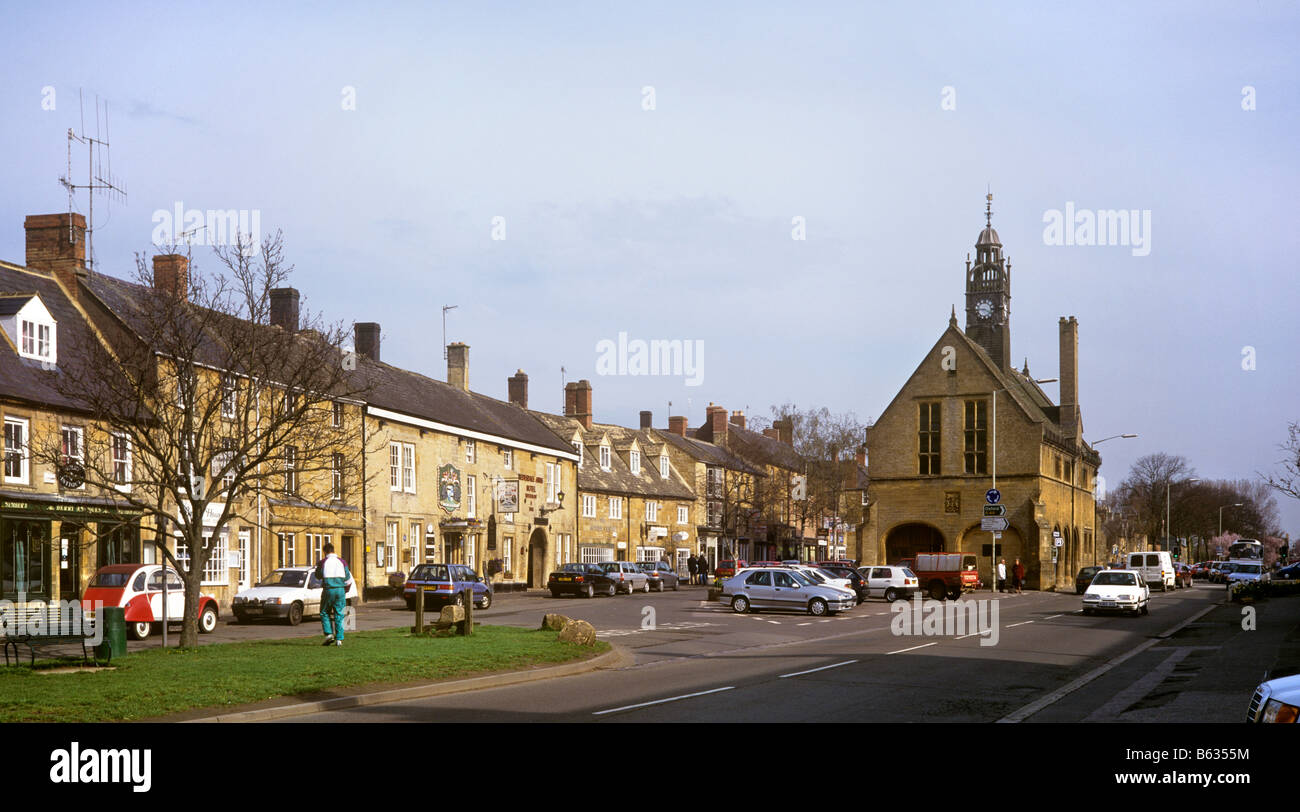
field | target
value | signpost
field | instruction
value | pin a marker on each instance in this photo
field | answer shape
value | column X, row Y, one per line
column 992, row 510
column 993, row 523
column 995, row 510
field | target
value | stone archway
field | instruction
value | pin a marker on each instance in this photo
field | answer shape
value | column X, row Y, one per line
column 906, row 540
column 980, row 542
column 537, row 559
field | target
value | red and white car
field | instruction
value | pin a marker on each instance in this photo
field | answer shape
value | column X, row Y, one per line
column 137, row 588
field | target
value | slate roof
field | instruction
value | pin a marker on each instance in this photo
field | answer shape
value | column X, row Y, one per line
column 708, row 453
column 11, row 303
column 619, row 478
column 762, row 449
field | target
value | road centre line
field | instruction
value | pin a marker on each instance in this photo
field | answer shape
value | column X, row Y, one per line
column 661, row 701
column 913, row 648
column 814, row 670
column 1013, row 625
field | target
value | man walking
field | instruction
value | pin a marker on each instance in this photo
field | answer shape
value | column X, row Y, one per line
column 1018, row 576
column 1002, row 575
column 691, row 565
column 335, row 578
column 703, row 566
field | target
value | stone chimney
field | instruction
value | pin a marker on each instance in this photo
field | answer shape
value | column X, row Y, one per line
column 677, row 425
column 171, row 276
column 517, row 386
column 284, row 307
column 738, row 418
column 56, row 244
column 773, row 433
column 862, row 455
column 1070, row 378
column 365, row 339
column 715, row 424
column 647, row 420
column 784, row 430
column 582, row 403
column 458, row 365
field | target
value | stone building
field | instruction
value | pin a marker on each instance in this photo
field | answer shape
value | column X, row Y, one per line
column 933, row 456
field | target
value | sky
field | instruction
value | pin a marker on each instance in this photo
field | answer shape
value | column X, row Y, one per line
column 563, row 173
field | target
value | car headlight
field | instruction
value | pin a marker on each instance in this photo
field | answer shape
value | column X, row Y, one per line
column 1091, row 596
column 1126, row 597
column 240, row 599
column 1275, row 712
column 271, row 600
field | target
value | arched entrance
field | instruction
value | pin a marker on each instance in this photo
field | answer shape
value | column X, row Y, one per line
column 980, row 542
column 537, row 559
column 906, row 540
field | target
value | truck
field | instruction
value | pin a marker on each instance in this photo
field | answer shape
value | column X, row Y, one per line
column 944, row 575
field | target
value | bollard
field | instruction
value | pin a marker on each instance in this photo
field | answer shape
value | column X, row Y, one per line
column 419, row 611
column 467, row 627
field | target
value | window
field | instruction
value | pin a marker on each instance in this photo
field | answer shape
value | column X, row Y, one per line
column 506, row 559
column 604, row 458
column 976, row 436
column 388, row 551
column 615, row 507
column 417, row 533
column 73, row 450
column 316, row 546
column 864, row 499
column 337, row 414
column 634, row 460
column 16, row 451
column 652, row 511
column 470, row 451
column 37, row 341
column 928, row 437
column 408, row 467
column 761, row 578
column 471, row 496
column 713, row 481
column 649, row 553
column 394, row 466
column 227, row 457
column 663, row 466
column 589, row 505
column 683, row 515
column 471, row 543
column 229, row 397
column 552, row 483
column 1058, row 467
column 337, row 475
column 577, row 446
column 508, row 459
column 290, row 402
column 715, row 514
column 216, row 570
column 288, row 544
column 290, row 470
column 121, row 450
column 595, row 555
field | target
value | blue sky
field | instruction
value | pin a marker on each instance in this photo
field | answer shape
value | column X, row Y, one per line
column 675, row 223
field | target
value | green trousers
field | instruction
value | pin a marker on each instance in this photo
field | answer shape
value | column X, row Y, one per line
column 332, row 603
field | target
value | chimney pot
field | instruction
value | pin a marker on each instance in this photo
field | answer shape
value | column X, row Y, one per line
column 171, row 275
column 738, row 418
column 284, row 308
column 458, row 365
column 365, row 339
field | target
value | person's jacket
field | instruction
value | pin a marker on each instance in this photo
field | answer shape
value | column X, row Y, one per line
column 333, row 572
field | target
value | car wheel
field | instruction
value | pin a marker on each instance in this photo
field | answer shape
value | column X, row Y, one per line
column 954, row 594
column 675, row 586
column 555, row 593
column 240, row 617
column 140, row 631
column 891, row 594
column 938, row 590
column 613, row 590
column 208, row 620
column 661, row 586
column 1145, row 609
column 487, row 601
column 588, row 591
column 410, row 604
column 295, row 614
column 646, row 587
column 740, row 604
column 818, row 608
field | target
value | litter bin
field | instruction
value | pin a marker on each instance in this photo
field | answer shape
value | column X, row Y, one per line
column 112, row 619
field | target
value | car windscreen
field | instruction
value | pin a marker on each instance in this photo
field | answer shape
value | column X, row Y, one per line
column 1248, row 568
column 968, row 562
column 430, row 572
column 110, row 580
column 575, row 568
column 1114, row 579
column 286, row 578
column 802, row 577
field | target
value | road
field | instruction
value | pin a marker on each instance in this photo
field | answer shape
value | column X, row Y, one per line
column 700, row 662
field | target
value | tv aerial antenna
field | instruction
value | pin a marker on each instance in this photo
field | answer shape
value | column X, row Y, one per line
column 445, row 308
column 99, row 179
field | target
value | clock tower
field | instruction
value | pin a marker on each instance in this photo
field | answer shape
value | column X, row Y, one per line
column 988, row 294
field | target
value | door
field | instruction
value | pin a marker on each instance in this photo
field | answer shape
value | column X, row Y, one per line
column 758, row 588
column 786, row 593
column 881, row 578
column 175, row 596
column 70, row 563
column 244, row 568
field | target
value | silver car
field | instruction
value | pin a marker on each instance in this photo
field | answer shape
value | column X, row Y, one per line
column 783, row 588
column 629, row 577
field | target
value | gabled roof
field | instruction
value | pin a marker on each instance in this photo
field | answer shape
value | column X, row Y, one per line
column 708, row 453
column 619, row 478
column 11, row 303
column 762, row 449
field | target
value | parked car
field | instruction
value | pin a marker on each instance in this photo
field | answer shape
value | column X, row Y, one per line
column 890, row 583
column 1084, row 578
column 821, row 576
column 944, row 574
column 1276, row 701
column 586, row 580
column 662, row 576
column 783, row 588
column 443, row 584
column 289, row 593
column 138, row 588
column 1291, row 573
column 1183, row 576
column 727, row 567
column 1117, row 591
column 1221, row 570
column 856, row 580
column 1155, row 567
column 1201, row 569
column 628, row 576
column 1245, row 572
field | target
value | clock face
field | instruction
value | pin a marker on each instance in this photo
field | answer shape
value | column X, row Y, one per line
column 984, row 308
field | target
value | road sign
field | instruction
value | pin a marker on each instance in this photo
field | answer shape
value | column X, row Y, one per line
column 1056, row 534
column 1114, row 549
column 996, row 535
column 995, row 510
column 993, row 496
column 1060, row 543
column 993, row 523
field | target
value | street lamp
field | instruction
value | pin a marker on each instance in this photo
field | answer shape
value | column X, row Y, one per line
column 993, row 559
column 1237, row 504
column 1168, row 524
column 1095, row 529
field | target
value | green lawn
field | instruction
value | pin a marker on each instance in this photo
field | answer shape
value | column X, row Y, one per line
column 157, row 682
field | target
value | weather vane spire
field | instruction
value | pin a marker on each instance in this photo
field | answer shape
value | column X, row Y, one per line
column 988, row 209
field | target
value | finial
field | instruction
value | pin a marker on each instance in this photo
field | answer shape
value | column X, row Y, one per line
column 988, row 208
column 952, row 320
column 1026, row 366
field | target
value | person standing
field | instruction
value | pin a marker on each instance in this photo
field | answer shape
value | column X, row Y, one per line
column 335, row 578
column 703, row 565
column 691, row 565
column 1018, row 576
column 1002, row 575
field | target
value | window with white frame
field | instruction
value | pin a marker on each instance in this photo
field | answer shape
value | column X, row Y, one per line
column 17, row 453
column 388, row 557
column 568, row 547
column 663, row 466
column 37, row 340
column 73, row 448
column 471, row 543
column 243, row 556
column 471, row 451
column 652, row 511
column 649, row 553
column 615, row 507
column 595, row 555
column 864, row 498
column 226, row 457
column 604, row 458
column 683, row 515
column 508, row 459
column 408, row 467
column 290, row 470
column 394, row 466
column 121, row 451
column 507, row 548
column 336, row 475
column 471, row 496
column 414, row 541
column 552, row 483
column 316, row 546
column 288, row 548
column 589, row 505
column 229, row 397
column 337, row 414
column 634, row 461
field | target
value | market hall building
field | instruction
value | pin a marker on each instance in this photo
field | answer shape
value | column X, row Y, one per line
column 931, row 450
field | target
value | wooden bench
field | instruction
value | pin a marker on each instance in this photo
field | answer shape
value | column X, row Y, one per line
column 39, row 626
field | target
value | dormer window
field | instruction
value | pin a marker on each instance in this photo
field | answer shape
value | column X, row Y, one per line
column 634, row 460
column 604, row 458
column 577, row 446
column 663, row 466
column 30, row 326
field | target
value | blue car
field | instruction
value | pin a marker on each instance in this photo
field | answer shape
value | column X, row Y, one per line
column 443, row 584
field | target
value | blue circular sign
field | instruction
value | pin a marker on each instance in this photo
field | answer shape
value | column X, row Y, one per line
column 993, row 496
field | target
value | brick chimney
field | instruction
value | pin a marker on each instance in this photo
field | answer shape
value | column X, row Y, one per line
column 715, row 424
column 171, row 275
column 677, row 425
column 738, row 418
column 284, row 308
column 458, row 365
column 1070, row 378
column 582, row 402
column 571, row 399
column 365, row 339
column 517, row 386
column 56, row 244
column 862, row 455
column 773, row 433
column 784, row 430
column 647, row 419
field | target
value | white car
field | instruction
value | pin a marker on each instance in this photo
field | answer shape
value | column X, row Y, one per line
column 1117, row 591
column 1277, row 700
column 821, row 576
column 289, row 593
column 890, row 583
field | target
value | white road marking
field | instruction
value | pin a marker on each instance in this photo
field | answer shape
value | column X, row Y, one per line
column 661, row 701
column 1049, row 618
column 814, row 670
column 809, row 623
column 777, row 622
column 1013, row 625
column 913, row 648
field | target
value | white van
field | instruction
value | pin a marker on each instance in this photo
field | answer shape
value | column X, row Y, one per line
column 1156, row 568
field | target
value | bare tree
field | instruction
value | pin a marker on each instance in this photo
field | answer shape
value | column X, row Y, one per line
column 1287, row 481
column 202, row 405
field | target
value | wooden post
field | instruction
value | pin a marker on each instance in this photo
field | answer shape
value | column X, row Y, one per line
column 467, row 628
column 419, row 610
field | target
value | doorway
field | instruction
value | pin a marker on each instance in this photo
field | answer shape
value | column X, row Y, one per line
column 70, row 562
column 537, row 559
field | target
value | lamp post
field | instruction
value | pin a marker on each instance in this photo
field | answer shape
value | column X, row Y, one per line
column 1235, row 504
column 993, row 559
column 1096, row 530
column 1168, row 524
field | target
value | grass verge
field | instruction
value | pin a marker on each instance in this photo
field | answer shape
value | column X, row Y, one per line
column 156, row 682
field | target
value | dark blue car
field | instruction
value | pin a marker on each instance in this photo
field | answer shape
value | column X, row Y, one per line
column 443, row 584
